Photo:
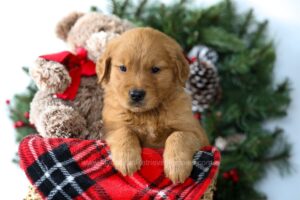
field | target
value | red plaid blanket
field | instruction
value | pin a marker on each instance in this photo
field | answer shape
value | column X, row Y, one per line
column 82, row 169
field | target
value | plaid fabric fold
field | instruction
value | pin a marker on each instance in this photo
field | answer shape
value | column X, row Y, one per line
column 82, row 169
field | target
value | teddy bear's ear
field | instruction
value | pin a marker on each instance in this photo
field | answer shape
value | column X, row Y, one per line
column 64, row 26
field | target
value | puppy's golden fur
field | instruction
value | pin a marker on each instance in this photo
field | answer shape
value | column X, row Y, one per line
column 164, row 118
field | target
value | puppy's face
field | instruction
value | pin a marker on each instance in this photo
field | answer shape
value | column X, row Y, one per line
column 142, row 68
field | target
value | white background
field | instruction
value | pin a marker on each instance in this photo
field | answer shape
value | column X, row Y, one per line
column 27, row 30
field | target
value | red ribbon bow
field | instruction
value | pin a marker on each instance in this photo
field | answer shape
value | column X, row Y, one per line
column 78, row 65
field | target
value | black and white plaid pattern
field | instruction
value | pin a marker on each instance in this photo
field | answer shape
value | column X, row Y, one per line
column 58, row 169
column 202, row 163
column 82, row 169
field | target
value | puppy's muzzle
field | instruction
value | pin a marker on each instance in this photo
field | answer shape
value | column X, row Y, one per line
column 137, row 95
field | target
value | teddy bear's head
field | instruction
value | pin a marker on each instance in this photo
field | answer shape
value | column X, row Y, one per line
column 90, row 31
column 69, row 100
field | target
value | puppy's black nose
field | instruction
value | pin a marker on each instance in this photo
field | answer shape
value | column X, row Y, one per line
column 137, row 95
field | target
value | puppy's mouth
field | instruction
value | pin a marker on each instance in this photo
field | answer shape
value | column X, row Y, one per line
column 139, row 104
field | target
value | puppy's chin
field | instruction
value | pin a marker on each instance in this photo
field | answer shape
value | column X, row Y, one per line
column 140, row 107
column 137, row 109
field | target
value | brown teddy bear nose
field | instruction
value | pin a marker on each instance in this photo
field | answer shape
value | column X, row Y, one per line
column 137, row 95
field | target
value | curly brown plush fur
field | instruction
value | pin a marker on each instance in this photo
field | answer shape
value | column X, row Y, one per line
column 52, row 77
column 81, row 118
column 88, row 24
column 54, row 117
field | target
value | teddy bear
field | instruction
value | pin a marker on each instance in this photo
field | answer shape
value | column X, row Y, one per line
column 68, row 102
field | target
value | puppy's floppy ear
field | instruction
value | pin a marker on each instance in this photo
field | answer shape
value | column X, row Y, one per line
column 103, row 67
column 182, row 68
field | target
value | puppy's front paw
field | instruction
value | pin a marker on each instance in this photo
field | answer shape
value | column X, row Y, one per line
column 127, row 161
column 177, row 166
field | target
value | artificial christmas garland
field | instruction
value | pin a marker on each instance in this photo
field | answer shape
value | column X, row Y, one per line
column 234, row 123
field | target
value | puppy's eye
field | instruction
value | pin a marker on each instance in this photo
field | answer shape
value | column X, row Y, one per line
column 123, row 68
column 155, row 70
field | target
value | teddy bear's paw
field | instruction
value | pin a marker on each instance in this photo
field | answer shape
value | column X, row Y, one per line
column 95, row 131
column 62, row 121
column 50, row 76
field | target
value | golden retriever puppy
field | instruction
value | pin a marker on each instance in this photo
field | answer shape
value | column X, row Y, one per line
column 143, row 73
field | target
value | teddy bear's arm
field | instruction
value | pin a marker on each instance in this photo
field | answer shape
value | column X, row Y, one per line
column 55, row 117
column 49, row 76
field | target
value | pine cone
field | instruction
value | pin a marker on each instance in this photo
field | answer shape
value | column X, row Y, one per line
column 203, row 85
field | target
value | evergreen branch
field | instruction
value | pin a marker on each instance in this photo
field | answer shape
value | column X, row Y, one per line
column 16, row 114
column 261, row 53
column 278, row 157
column 123, row 8
column 26, row 70
column 114, row 6
column 222, row 40
column 258, row 34
column 230, row 10
column 140, row 8
column 246, row 23
column 94, row 9
column 182, row 2
column 284, row 86
column 32, row 88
